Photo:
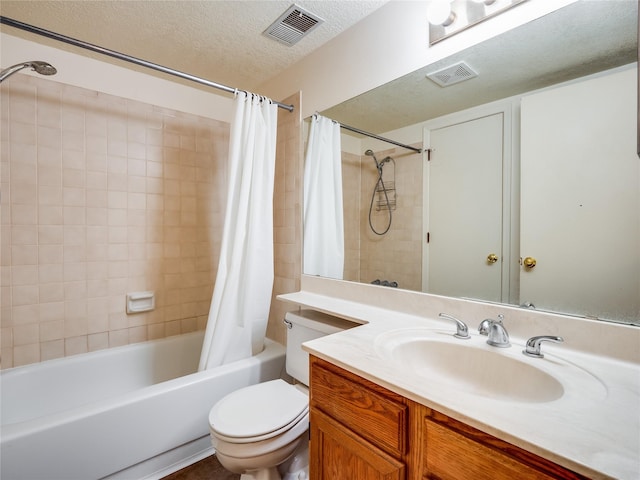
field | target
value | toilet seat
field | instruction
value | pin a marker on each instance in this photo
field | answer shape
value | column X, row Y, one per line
column 258, row 412
column 250, row 450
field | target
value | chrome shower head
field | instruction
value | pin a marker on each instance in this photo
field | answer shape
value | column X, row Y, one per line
column 369, row 153
column 43, row 68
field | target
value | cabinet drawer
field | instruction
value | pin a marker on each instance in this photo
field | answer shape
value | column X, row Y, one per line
column 454, row 451
column 371, row 411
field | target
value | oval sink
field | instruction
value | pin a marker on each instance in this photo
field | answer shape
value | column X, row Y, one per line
column 474, row 368
column 479, row 371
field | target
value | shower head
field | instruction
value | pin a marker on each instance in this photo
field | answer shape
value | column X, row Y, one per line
column 369, row 153
column 43, row 68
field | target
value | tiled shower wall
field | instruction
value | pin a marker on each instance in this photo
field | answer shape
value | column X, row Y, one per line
column 102, row 196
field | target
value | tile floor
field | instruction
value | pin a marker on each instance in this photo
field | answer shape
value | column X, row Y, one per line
column 206, row 469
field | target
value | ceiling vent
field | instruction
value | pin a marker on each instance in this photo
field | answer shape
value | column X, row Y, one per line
column 451, row 75
column 292, row 25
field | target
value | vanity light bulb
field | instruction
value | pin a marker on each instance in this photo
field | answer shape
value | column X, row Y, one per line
column 486, row 2
column 439, row 13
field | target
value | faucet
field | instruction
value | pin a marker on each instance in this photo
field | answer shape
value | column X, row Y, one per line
column 534, row 343
column 498, row 336
column 462, row 329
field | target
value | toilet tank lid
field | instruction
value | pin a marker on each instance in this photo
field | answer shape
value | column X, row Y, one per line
column 319, row 321
column 258, row 409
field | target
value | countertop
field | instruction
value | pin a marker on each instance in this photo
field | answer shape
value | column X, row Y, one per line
column 594, row 431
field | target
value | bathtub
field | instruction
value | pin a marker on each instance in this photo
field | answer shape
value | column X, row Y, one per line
column 131, row 412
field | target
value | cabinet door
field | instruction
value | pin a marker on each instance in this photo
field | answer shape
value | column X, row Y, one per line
column 338, row 453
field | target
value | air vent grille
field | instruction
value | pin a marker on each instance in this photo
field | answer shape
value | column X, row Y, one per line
column 292, row 25
column 451, row 75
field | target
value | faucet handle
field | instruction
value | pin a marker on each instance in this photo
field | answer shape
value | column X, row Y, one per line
column 462, row 329
column 534, row 343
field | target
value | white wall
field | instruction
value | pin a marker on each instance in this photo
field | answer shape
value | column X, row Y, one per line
column 93, row 74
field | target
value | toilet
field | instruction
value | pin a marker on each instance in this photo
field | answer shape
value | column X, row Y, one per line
column 260, row 431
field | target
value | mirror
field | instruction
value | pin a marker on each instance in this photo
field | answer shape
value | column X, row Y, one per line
column 578, row 40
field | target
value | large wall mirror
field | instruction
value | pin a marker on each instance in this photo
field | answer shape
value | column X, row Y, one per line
column 518, row 96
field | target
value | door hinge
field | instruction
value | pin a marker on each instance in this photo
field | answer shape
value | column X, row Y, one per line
column 428, row 237
column 428, row 154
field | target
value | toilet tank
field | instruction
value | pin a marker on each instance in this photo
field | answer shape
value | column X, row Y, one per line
column 303, row 326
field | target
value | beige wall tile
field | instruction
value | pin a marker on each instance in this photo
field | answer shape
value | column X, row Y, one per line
column 111, row 196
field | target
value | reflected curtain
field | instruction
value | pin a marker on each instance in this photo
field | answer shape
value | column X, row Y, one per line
column 323, row 214
column 242, row 293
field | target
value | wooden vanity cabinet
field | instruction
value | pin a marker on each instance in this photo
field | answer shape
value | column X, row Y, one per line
column 362, row 431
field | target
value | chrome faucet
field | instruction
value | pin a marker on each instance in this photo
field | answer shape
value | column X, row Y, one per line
column 498, row 336
column 462, row 331
column 534, row 343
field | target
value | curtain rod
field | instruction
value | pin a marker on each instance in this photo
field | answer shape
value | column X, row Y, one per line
column 378, row 137
column 122, row 56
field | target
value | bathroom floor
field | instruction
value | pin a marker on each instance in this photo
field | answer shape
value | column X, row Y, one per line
column 206, row 469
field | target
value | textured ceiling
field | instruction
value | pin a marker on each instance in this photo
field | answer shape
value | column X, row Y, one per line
column 217, row 40
column 580, row 39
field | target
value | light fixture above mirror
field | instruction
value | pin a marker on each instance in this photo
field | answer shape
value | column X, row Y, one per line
column 448, row 17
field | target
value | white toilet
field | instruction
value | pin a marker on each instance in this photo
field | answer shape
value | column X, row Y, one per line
column 260, row 431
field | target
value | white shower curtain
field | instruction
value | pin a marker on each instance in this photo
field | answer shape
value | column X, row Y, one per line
column 242, row 293
column 323, row 215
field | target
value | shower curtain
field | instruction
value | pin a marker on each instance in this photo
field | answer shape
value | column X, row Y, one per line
column 323, row 215
column 242, row 293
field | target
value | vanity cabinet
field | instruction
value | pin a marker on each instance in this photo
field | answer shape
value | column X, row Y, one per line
column 362, row 431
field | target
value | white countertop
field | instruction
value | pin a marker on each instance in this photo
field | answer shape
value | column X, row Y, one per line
column 593, row 431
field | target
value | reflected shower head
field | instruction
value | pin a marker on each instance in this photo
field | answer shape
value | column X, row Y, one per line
column 369, row 153
column 43, row 68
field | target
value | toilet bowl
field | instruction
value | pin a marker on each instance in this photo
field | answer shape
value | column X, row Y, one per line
column 261, row 431
column 257, row 428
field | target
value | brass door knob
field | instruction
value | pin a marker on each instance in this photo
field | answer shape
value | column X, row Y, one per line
column 529, row 262
column 492, row 258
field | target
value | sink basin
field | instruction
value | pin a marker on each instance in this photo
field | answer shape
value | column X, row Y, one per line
column 472, row 367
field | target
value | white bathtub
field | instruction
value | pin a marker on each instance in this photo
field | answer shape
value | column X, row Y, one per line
column 130, row 412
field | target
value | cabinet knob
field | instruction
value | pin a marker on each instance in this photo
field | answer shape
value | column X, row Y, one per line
column 529, row 262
